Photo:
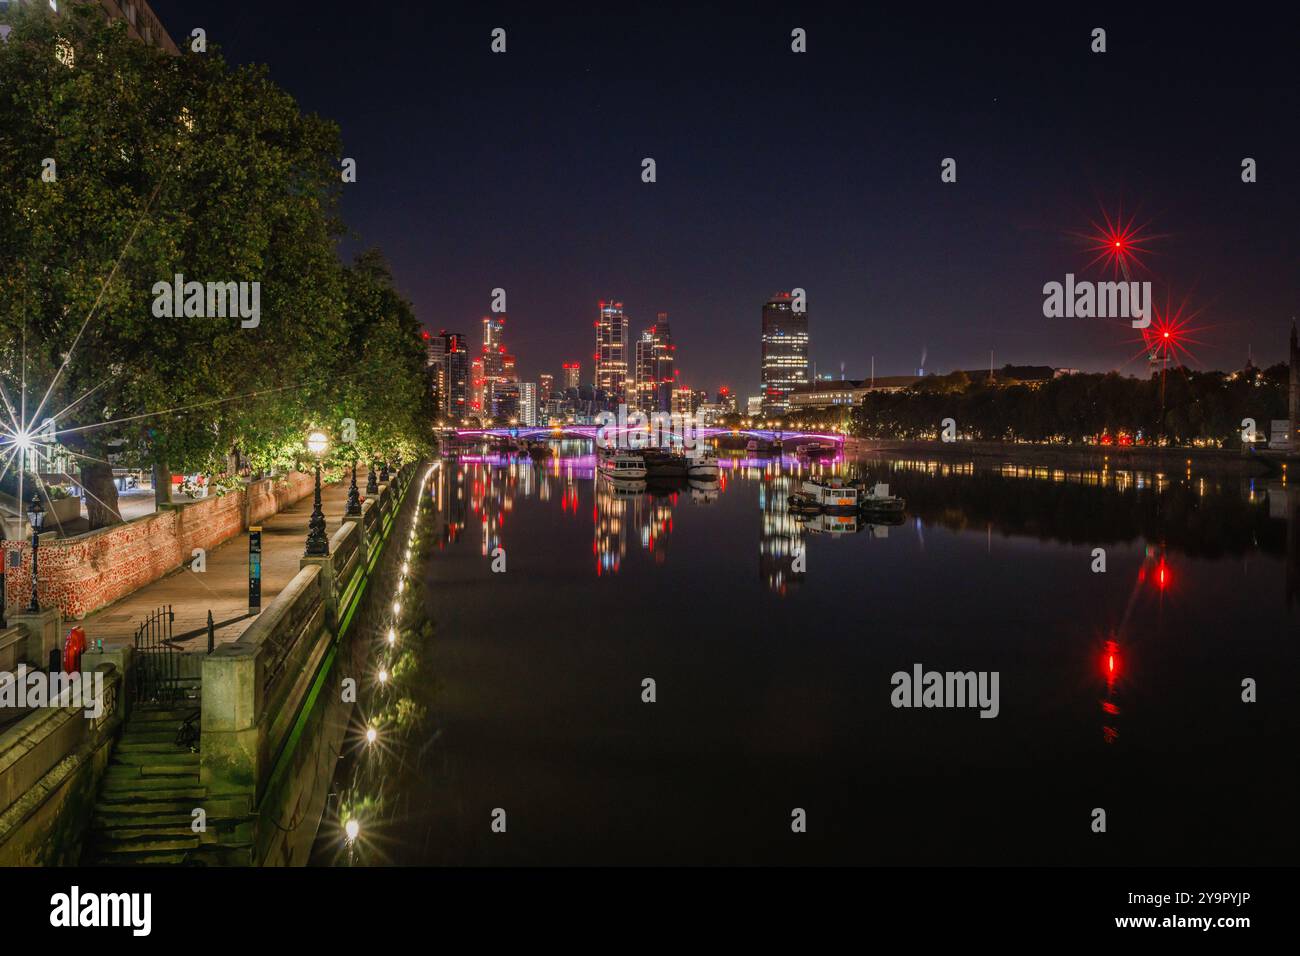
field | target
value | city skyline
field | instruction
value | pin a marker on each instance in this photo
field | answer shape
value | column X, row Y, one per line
column 896, row 263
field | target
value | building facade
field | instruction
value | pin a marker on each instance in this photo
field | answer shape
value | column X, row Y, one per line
column 845, row 393
column 611, row 355
column 654, row 376
column 785, row 352
column 1293, row 396
column 141, row 22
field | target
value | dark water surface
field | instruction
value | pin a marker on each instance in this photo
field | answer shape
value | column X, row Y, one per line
column 774, row 687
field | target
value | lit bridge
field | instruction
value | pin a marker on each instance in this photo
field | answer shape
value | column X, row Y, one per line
column 589, row 432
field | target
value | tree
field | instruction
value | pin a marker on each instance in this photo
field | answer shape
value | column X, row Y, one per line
column 177, row 166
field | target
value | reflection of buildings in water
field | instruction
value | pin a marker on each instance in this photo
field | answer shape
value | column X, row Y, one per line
column 624, row 509
column 618, row 506
column 657, row 524
column 447, row 489
column 781, row 537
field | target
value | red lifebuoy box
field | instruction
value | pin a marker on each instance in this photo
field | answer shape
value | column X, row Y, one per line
column 73, row 648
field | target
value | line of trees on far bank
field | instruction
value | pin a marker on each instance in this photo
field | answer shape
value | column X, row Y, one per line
column 123, row 167
column 1186, row 408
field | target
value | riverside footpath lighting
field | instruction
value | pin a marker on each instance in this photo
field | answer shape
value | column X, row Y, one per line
column 318, row 545
column 35, row 517
column 354, row 498
column 372, row 484
column 383, row 471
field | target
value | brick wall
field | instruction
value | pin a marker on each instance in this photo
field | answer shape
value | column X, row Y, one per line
column 83, row 573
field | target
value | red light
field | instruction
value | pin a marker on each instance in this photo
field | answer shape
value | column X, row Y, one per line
column 425, row 334
column 1118, row 243
column 1111, row 661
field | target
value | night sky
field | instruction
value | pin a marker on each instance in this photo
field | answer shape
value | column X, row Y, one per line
column 819, row 170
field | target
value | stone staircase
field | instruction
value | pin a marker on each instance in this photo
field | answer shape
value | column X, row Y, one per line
column 145, row 810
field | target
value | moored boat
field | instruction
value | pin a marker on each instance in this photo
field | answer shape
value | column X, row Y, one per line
column 877, row 498
column 832, row 494
column 703, row 467
column 626, row 465
column 660, row 463
column 800, row 503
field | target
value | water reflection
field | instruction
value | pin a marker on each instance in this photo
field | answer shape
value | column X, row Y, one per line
column 1203, row 515
column 1120, row 688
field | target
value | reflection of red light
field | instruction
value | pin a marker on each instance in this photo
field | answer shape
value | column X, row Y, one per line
column 1162, row 575
column 1111, row 661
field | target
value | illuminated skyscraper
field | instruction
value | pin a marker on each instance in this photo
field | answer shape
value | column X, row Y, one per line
column 476, row 393
column 545, row 386
column 785, row 352
column 644, row 388
column 494, row 347
column 572, row 375
column 455, row 376
column 611, row 373
column 654, row 376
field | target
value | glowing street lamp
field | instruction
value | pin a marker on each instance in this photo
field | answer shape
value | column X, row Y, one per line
column 36, row 518
column 318, row 545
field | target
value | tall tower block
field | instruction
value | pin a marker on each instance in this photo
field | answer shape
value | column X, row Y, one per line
column 1293, row 405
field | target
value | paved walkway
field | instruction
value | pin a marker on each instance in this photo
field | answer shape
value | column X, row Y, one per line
column 223, row 588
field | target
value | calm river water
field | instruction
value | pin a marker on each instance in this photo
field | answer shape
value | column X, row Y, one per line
column 772, row 645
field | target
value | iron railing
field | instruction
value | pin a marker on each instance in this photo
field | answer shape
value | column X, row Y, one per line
column 157, row 665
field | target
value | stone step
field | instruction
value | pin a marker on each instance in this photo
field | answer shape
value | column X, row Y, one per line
column 174, row 837
column 104, row 823
column 160, row 734
column 170, row 770
column 153, row 790
column 146, row 713
column 138, row 747
column 152, row 758
column 138, row 778
column 142, row 858
column 218, row 808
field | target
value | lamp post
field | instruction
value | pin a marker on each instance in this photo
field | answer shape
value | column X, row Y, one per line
column 383, row 471
column 372, row 485
column 354, row 498
column 36, row 518
column 318, row 545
